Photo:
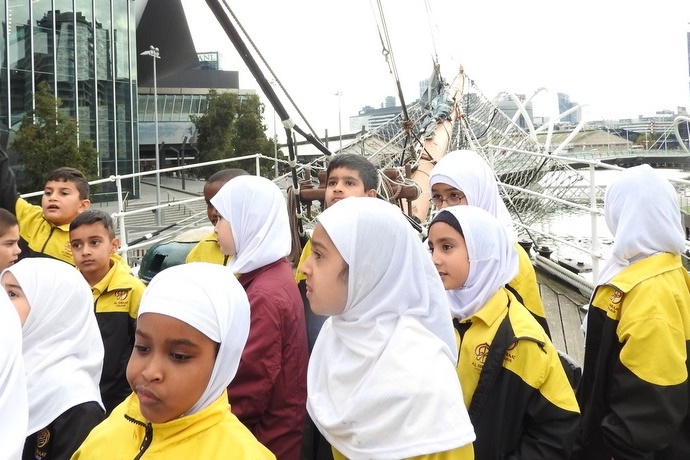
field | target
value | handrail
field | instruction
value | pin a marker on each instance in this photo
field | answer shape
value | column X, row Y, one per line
column 594, row 209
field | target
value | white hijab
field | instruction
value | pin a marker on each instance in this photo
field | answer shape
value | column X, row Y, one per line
column 257, row 213
column 210, row 299
column 14, row 406
column 641, row 210
column 468, row 172
column 62, row 345
column 493, row 259
column 381, row 380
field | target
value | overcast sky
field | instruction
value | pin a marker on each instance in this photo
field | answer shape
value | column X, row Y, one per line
column 619, row 58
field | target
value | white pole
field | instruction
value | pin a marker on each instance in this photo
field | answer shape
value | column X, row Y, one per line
column 154, row 53
column 275, row 144
column 275, row 138
column 340, row 127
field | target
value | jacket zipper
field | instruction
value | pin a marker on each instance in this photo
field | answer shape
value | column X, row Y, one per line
column 50, row 235
column 148, row 435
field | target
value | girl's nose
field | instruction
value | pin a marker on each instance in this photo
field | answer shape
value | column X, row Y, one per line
column 153, row 371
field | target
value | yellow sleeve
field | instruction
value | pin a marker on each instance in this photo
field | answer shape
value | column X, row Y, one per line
column 306, row 252
column 461, row 453
column 465, row 452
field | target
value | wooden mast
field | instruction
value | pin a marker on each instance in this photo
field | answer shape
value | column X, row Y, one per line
column 435, row 147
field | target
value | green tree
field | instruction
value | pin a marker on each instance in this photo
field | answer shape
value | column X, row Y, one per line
column 647, row 140
column 232, row 126
column 48, row 139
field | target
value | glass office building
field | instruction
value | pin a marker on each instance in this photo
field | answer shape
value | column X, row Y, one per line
column 85, row 50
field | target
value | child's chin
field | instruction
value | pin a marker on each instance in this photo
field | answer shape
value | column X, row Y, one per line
column 451, row 286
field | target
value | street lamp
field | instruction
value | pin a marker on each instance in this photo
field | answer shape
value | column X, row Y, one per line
column 275, row 139
column 154, row 53
column 340, row 126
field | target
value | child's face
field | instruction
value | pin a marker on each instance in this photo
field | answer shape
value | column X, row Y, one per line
column 170, row 366
column 343, row 183
column 9, row 247
column 444, row 195
column 61, row 202
column 326, row 273
column 210, row 190
column 449, row 253
column 226, row 240
column 91, row 248
column 16, row 295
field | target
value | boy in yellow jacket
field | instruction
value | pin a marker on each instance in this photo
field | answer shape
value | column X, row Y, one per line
column 44, row 229
column 116, row 296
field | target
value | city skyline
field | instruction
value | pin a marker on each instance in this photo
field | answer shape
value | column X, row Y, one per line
column 618, row 61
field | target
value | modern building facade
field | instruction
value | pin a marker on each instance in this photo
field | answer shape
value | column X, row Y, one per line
column 85, row 50
column 565, row 104
column 179, row 90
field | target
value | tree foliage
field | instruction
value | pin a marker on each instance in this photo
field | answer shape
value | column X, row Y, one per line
column 232, row 126
column 48, row 139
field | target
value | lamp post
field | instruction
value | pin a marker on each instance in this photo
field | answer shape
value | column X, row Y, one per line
column 275, row 140
column 154, row 53
column 340, row 126
column 275, row 145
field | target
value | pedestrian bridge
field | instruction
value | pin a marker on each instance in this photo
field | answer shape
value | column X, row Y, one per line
column 632, row 157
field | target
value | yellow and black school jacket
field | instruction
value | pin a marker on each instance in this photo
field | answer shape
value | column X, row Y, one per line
column 526, row 289
column 519, row 398
column 207, row 250
column 116, row 303
column 634, row 392
column 306, row 252
column 212, row 433
column 38, row 237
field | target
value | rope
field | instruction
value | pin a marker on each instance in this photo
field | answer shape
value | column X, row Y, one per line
column 270, row 70
column 293, row 217
column 387, row 51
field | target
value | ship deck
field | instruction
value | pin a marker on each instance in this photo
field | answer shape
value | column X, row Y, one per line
column 563, row 314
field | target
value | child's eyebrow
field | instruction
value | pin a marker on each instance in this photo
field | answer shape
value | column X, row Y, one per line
column 12, row 286
column 336, row 176
column 317, row 244
column 174, row 342
column 184, row 342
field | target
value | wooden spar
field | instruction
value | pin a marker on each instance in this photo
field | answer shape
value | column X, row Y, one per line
column 435, row 147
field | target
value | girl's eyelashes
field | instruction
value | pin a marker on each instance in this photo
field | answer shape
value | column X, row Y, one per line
column 180, row 356
column 141, row 348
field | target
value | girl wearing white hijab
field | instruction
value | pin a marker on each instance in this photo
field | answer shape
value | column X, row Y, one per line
column 270, row 390
column 519, row 398
column 193, row 324
column 634, row 389
column 14, row 407
column 63, row 354
column 463, row 177
column 381, row 380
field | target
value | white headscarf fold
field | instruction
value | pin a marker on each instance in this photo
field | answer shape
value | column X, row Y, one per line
column 641, row 210
column 14, row 406
column 210, row 299
column 257, row 213
column 493, row 259
column 381, row 379
column 468, row 172
column 62, row 345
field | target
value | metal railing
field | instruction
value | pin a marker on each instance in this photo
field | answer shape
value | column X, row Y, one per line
column 595, row 210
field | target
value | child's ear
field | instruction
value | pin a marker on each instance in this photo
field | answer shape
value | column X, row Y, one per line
column 114, row 245
column 84, row 205
column 371, row 193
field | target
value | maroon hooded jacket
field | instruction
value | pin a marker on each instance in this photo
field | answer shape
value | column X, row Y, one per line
column 269, row 392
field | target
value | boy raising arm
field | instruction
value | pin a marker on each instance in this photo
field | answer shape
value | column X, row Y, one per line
column 44, row 229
